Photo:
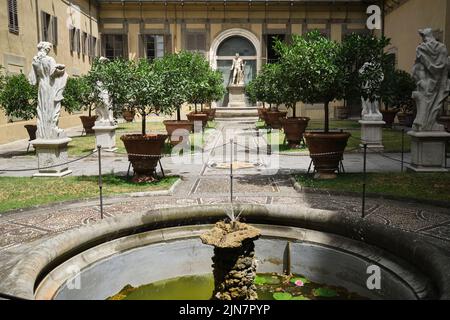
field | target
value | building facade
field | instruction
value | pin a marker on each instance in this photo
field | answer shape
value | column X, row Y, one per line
column 136, row 29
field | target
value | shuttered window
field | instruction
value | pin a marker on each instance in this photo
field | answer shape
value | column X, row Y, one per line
column 115, row 46
column 13, row 21
column 49, row 28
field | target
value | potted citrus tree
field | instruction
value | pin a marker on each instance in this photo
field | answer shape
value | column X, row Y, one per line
column 18, row 99
column 79, row 94
column 173, row 86
column 397, row 93
column 316, row 61
column 256, row 93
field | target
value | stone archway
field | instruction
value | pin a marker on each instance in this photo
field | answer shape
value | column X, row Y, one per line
column 250, row 36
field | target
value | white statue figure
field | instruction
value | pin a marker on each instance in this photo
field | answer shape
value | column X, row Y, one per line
column 433, row 86
column 104, row 109
column 371, row 109
column 51, row 79
column 238, row 70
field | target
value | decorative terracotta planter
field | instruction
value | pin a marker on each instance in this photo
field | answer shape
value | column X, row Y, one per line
column 88, row 123
column 144, row 153
column 327, row 150
column 203, row 117
column 445, row 121
column 274, row 118
column 31, row 129
column 211, row 114
column 173, row 125
column 405, row 119
column 389, row 117
column 294, row 128
column 128, row 115
column 261, row 113
column 342, row 113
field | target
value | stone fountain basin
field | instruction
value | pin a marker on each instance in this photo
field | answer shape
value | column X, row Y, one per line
column 138, row 249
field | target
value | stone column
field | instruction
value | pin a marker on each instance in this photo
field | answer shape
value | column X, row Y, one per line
column 237, row 96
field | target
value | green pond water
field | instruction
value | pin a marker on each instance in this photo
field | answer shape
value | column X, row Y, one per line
column 269, row 287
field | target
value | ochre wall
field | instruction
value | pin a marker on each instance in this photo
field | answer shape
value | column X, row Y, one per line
column 403, row 23
column 17, row 51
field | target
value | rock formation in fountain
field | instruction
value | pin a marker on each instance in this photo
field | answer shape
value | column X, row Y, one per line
column 234, row 263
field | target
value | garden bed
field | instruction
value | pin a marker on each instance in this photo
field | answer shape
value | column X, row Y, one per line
column 24, row 192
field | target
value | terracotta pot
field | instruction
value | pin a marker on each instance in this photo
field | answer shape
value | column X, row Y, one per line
column 88, row 123
column 389, row 117
column 405, row 119
column 172, row 125
column 128, row 115
column 261, row 113
column 144, row 152
column 211, row 113
column 203, row 117
column 445, row 121
column 294, row 128
column 31, row 129
column 273, row 118
column 342, row 113
column 327, row 150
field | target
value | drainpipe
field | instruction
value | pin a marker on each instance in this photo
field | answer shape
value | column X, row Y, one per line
column 383, row 17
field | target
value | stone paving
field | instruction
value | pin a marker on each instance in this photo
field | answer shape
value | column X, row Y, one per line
column 203, row 183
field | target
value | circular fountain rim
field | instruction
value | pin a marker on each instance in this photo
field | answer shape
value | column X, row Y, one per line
column 427, row 255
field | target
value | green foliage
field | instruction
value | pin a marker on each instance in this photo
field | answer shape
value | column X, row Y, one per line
column 325, row 293
column 78, row 94
column 282, row 296
column 18, row 97
column 355, row 51
column 397, row 90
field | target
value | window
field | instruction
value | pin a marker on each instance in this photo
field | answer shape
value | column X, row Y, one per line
column 196, row 41
column 92, row 46
column 236, row 44
column 271, row 39
column 49, row 28
column 13, row 22
column 114, row 46
column 74, row 39
column 153, row 46
column 84, row 43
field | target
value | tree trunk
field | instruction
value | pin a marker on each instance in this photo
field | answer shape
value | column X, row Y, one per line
column 327, row 116
column 90, row 111
column 179, row 114
column 294, row 108
column 144, row 123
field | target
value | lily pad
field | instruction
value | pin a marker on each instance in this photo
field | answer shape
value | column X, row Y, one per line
column 282, row 296
column 261, row 280
column 303, row 298
column 325, row 293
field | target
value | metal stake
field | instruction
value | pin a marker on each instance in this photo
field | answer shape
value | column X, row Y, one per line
column 364, row 182
column 403, row 148
column 231, row 170
column 100, row 179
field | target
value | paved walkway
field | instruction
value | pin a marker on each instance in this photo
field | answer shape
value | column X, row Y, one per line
column 206, row 181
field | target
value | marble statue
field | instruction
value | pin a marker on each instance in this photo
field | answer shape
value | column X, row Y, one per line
column 51, row 79
column 238, row 70
column 104, row 109
column 371, row 107
column 433, row 85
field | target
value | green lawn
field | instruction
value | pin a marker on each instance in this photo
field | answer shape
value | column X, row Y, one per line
column 19, row 193
column 419, row 186
column 80, row 146
column 392, row 139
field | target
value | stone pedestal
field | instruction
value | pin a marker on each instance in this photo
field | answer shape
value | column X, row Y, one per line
column 52, row 153
column 428, row 151
column 236, row 96
column 105, row 136
column 372, row 134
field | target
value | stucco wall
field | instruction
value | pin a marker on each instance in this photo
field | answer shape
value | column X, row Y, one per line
column 403, row 23
column 17, row 50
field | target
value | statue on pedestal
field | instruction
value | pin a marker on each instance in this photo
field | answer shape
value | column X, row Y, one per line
column 238, row 69
column 430, row 71
column 371, row 104
column 51, row 79
column 104, row 108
